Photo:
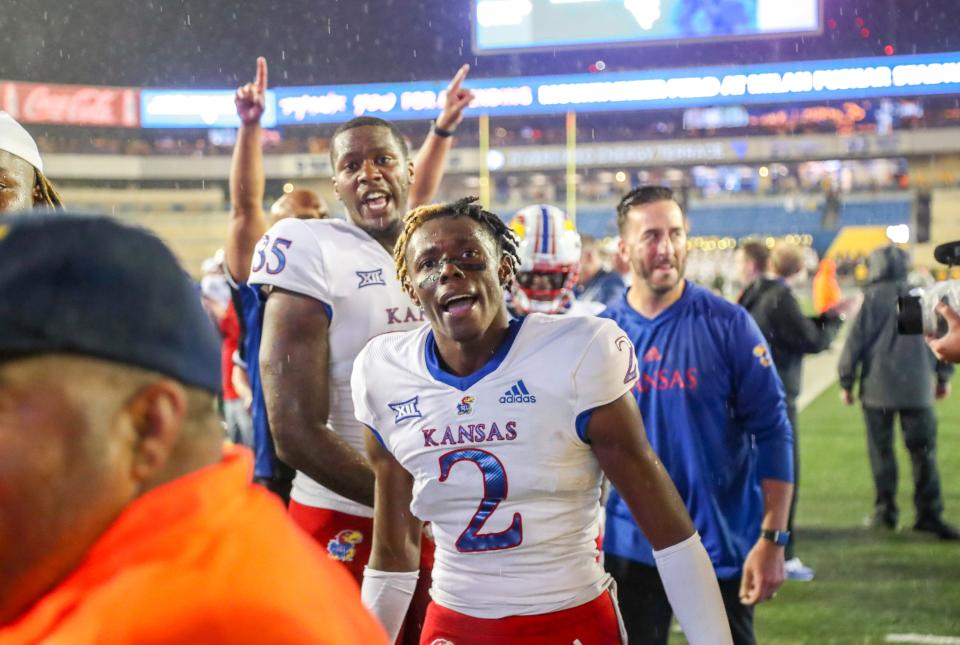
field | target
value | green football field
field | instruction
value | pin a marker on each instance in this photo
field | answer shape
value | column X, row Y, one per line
column 869, row 585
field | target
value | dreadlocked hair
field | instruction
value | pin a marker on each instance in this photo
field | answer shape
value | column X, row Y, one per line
column 503, row 235
column 44, row 194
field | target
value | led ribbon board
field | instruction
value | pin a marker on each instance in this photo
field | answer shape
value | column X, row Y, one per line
column 773, row 83
column 792, row 82
column 197, row 109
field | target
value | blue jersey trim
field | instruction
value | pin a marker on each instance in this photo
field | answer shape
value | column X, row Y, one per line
column 464, row 383
column 253, row 305
column 327, row 308
column 544, row 230
column 379, row 438
column 583, row 420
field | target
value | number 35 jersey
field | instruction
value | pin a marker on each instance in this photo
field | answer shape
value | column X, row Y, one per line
column 500, row 459
column 348, row 271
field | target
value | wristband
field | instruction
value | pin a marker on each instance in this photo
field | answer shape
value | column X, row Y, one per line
column 780, row 538
column 440, row 132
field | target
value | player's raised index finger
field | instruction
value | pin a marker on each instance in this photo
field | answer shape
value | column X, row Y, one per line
column 458, row 78
column 261, row 81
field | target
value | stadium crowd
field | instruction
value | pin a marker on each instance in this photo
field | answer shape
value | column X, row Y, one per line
column 381, row 379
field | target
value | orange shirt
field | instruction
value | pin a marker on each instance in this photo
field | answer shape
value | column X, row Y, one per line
column 826, row 289
column 207, row 558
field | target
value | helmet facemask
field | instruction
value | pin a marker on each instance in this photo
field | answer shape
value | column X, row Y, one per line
column 549, row 260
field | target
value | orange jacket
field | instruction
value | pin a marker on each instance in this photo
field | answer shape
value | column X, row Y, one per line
column 826, row 289
column 207, row 558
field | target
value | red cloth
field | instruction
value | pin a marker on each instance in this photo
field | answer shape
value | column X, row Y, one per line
column 593, row 623
column 230, row 330
column 207, row 558
column 347, row 539
column 344, row 538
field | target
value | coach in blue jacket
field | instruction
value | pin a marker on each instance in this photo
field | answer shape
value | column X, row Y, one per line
column 715, row 414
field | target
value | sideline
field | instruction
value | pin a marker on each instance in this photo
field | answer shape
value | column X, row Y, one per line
column 931, row 639
column 819, row 373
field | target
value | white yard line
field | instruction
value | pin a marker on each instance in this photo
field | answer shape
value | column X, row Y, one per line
column 926, row 639
column 819, row 373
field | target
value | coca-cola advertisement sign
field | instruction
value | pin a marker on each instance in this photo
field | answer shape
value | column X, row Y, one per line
column 112, row 107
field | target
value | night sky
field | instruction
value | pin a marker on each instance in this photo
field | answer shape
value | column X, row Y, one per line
column 213, row 43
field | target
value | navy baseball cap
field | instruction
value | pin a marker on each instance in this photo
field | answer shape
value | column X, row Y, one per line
column 88, row 285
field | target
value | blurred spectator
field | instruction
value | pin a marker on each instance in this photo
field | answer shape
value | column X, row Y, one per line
column 831, row 208
column 236, row 409
column 619, row 260
column 217, row 300
column 790, row 335
column 826, row 288
column 596, row 283
column 896, row 374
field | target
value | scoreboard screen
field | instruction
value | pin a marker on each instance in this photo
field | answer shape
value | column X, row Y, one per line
column 517, row 25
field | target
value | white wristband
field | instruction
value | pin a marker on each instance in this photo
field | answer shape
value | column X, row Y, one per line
column 387, row 594
column 691, row 585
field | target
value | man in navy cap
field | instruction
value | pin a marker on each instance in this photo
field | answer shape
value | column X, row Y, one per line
column 122, row 516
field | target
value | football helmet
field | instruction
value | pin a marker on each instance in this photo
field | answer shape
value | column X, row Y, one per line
column 549, row 250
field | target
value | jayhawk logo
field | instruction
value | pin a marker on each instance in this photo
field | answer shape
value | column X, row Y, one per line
column 465, row 406
column 763, row 356
column 344, row 546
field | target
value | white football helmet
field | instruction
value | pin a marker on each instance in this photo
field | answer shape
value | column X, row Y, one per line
column 549, row 253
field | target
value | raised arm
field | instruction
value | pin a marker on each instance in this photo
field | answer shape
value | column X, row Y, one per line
column 800, row 333
column 247, row 220
column 295, row 367
column 620, row 444
column 390, row 578
column 432, row 157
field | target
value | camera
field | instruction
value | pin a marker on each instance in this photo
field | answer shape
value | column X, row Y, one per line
column 916, row 313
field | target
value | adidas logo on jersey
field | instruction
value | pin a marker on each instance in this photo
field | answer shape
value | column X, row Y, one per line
column 518, row 394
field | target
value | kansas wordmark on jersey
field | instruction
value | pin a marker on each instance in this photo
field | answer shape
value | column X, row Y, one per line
column 501, row 463
column 348, row 271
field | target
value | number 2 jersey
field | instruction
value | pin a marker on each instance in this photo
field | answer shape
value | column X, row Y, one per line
column 501, row 462
column 341, row 266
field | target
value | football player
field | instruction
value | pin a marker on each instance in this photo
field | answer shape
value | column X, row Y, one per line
column 549, row 251
column 248, row 224
column 498, row 432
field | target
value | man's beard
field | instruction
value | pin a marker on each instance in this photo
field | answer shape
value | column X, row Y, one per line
column 661, row 288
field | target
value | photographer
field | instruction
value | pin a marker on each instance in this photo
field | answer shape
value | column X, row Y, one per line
column 945, row 345
column 896, row 374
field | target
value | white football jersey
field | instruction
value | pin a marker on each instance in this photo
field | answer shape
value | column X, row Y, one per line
column 343, row 267
column 500, row 465
column 584, row 308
